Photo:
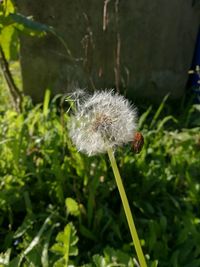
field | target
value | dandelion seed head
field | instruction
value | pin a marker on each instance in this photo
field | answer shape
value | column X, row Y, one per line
column 101, row 121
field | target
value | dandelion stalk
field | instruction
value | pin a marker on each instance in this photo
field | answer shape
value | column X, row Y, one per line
column 101, row 122
column 127, row 210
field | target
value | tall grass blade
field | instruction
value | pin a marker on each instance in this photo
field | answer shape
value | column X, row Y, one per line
column 36, row 239
column 143, row 117
column 46, row 102
column 164, row 121
column 159, row 110
column 44, row 256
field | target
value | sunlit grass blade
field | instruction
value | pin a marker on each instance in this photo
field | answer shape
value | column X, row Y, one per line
column 44, row 256
column 36, row 239
column 165, row 120
column 159, row 110
column 143, row 117
column 46, row 102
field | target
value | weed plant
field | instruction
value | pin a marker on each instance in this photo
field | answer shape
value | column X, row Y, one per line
column 60, row 208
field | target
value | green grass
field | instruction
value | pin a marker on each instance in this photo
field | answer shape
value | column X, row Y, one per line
column 59, row 207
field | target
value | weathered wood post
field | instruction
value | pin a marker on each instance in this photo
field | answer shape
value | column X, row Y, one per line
column 143, row 46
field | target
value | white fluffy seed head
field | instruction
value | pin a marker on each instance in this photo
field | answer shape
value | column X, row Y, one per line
column 101, row 121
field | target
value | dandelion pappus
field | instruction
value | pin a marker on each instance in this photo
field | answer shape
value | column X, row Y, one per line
column 138, row 142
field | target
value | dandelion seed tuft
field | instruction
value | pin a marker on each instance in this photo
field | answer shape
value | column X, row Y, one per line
column 101, row 121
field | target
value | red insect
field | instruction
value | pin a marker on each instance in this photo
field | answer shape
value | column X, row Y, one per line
column 138, row 142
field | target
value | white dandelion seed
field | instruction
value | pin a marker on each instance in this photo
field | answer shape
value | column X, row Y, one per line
column 101, row 121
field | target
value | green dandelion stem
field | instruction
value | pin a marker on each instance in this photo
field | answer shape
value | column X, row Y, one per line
column 127, row 210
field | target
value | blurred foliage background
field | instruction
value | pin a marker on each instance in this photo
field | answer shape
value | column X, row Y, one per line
column 60, row 208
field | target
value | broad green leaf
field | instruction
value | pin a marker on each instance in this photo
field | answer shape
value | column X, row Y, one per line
column 8, row 7
column 66, row 244
column 99, row 261
column 60, row 263
column 72, row 206
column 10, row 43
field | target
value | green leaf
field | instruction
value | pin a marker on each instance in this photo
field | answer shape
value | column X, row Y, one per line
column 99, row 261
column 27, row 224
column 24, row 23
column 10, row 43
column 66, row 244
column 8, row 7
column 5, row 257
column 154, row 264
column 15, row 262
column 72, row 206
column 60, row 263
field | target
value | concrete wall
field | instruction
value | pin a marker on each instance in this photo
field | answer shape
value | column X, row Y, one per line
column 144, row 47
